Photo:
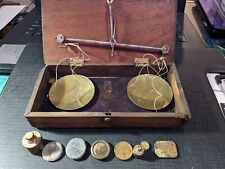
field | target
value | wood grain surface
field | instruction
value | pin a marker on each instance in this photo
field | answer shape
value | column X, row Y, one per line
column 142, row 22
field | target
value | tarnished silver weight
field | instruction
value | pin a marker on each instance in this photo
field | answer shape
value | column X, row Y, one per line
column 52, row 151
column 76, row 148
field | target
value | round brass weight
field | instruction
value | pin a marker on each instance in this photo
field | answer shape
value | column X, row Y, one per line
column 100, row 149
column 146, row 89
column 71, row 92
column 123, row 150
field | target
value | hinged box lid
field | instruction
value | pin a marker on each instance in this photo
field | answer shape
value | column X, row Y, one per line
column 142, row 22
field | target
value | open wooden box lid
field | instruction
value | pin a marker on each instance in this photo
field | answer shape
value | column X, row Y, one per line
column 142, row 22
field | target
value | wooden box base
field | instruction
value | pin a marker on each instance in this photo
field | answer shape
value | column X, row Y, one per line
column 111, row 111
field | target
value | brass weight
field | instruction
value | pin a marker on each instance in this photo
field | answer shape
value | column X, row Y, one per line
column 149, row 92
column 71, row 92
column 139, row 150
column 123, row 150
column 33, row 142
column 165, row 149
column 100, row 149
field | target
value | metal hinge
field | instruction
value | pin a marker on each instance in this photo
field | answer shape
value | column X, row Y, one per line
column 141, row 62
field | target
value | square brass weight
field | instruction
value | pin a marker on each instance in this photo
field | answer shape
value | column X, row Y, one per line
column 165, row 149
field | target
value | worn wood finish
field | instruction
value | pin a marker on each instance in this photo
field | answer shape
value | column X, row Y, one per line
column 180, row 100
column 122, row 113
column 143, row 22
column 105, row 122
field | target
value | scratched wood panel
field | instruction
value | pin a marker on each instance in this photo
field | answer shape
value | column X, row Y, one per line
column 143, row 22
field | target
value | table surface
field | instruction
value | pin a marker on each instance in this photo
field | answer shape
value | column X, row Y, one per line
column 201, row 141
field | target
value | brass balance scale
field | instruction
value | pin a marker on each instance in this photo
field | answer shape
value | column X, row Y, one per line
column 147, row 91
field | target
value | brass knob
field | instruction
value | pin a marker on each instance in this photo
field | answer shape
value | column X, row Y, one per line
column 33, row 142
column 140, row 149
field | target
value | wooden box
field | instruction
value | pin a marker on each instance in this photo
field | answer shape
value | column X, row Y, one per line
column 140, row 22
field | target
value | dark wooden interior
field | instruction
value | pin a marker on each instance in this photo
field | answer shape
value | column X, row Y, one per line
column 104, row 77
column 118, row 112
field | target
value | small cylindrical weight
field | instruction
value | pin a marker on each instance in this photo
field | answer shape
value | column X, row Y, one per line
column 76, row 148
column 145, row 145
column 123, row 150
column 100, row 149
column 138, row 151
column 33, row 142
